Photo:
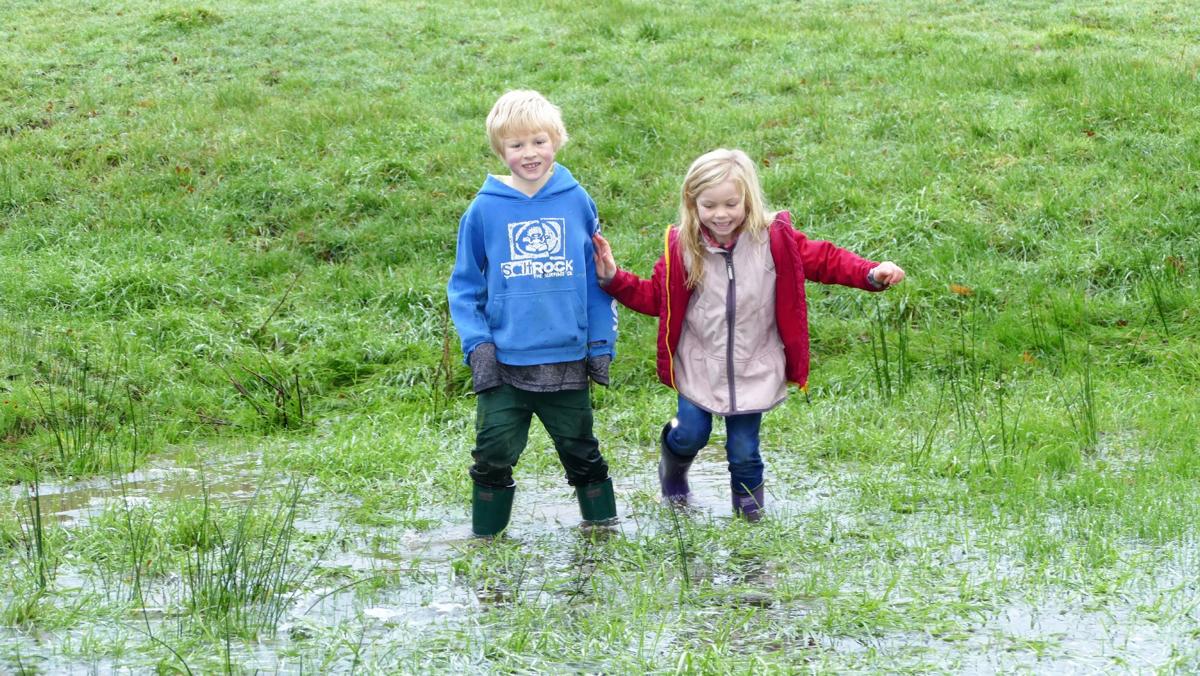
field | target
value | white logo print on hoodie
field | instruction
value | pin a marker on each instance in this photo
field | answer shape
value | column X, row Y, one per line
column 536, row 248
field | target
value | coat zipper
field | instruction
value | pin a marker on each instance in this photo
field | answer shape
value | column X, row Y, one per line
column 730, row 315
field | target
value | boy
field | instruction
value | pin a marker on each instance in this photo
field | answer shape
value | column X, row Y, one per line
column 534, row 323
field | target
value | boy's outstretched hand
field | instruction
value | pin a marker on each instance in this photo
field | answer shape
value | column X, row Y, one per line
column 606, row 265
column 886, row 273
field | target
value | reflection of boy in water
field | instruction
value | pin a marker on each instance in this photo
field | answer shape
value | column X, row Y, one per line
column 532, row 339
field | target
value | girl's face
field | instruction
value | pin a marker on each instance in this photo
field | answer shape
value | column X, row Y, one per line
column 722, row 209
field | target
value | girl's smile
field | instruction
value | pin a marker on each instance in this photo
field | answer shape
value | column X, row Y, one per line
column 722, row 209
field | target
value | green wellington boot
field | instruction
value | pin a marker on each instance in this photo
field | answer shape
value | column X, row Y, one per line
column 597, row 502
column 490, row 509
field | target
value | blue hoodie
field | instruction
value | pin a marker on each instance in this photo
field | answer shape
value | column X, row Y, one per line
column 524, row 278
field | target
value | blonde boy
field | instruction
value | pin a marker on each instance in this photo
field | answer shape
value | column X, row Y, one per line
column 534, row 323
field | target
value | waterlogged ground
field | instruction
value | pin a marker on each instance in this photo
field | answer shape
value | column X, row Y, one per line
column 230, row 223
column 843, row 577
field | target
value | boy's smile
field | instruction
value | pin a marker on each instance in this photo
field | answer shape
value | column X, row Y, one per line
column 530, row 157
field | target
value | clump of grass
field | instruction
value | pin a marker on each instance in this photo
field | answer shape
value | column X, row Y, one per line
column 681, row 550
column 239, row 572
column 188, row 19
column 39, row 556
column 650, row 32
column 238, row 96
column 23, row 606
column 1008, row 441
column 277, row 398
column 502, row 572
column 36, row 554
column 10, row 531
column 1081, row 408
column 891, row 367
column 1155, row 280
column 94, row 424
column 922, row 453
column 1068, row 37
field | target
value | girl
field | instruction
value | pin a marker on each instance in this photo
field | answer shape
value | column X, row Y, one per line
column 733, row 324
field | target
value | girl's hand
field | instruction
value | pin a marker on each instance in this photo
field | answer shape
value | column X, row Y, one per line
column 606, row 265
column 887, row 273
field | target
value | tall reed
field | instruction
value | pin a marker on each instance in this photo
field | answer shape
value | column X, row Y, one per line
column 277, row 398
column 1081, row 408
column 93, row 425
column 1154, row 282
column 241, row 577
column 35, row 532
column 681, row 551
column 891, row 367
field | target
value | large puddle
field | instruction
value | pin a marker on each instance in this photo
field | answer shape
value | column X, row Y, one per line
column 391, row 586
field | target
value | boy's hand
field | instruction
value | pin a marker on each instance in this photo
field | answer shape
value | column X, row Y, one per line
column 606, row 265
column 887, row 273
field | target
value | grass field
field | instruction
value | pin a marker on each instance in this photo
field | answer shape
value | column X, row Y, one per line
column 235, row 427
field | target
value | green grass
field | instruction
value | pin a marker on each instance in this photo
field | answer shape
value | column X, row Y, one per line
column 193, row 194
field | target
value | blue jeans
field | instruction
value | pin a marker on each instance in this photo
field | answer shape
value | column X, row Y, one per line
column 741, row 442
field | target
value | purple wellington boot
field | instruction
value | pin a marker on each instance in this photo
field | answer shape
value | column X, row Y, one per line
column 672, row 469
column 749, row 505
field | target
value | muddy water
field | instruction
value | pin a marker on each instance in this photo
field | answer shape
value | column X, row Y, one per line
column 72, row 503
column 537, row 509
column 421, row 591
column 554, row 506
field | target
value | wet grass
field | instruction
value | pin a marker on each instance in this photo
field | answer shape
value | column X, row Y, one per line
column 243, row 573
column 225, row 230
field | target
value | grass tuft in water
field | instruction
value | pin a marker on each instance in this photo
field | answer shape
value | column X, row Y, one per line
column 238, row 574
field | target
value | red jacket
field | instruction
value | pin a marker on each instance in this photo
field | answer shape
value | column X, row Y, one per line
column 797, row 259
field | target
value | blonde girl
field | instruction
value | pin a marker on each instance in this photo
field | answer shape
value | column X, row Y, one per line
column 733, row 323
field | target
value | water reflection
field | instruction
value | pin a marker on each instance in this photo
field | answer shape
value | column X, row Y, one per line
column 390, row 585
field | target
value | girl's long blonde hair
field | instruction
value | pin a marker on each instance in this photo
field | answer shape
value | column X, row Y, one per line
column 708, row 170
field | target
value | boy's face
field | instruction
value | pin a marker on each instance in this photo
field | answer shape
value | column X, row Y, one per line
column 529, row 156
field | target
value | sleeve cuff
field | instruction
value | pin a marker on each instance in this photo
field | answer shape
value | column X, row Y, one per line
column 598, row 368
column 485, row 371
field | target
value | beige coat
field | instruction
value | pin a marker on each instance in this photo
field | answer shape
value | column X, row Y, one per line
column 738, row 371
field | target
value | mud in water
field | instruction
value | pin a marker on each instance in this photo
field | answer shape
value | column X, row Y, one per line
column 391, row 587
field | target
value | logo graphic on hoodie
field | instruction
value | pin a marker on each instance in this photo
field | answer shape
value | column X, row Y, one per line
column 537, row 249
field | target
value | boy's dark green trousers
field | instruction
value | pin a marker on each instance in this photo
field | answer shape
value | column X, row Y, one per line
column 502, row 418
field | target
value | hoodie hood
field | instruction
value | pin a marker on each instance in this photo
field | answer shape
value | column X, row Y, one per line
column 560, row 181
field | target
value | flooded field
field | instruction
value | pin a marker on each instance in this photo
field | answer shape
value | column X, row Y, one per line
column 829, row 581
column 235, row 420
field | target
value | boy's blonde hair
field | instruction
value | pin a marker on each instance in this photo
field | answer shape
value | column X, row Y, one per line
column 524, row 111
column 708, row 170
